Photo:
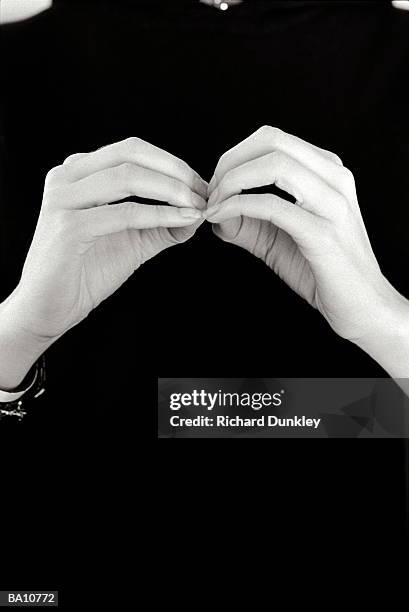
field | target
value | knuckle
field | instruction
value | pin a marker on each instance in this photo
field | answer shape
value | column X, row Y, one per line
column 331, row 156
column 70, row 158
column 335, row 158
column 55, row 174
column 131, row 212
column 128, row 168
column 222, row 161
column 124, row 172
column 345, row 179
column 53, row 171
column 277, row 158
column 160, row 213
column 181, row 167
column 348, row 176
column 133, row 142
column 270, row 133
column 73, row 157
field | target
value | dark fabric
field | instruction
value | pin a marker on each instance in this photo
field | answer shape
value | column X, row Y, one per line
column 195, row 81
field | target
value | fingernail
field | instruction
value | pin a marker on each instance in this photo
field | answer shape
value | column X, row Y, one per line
column 213, row 198
column 200, row 186
column 190, row 213
column 212, row 183
column 198, row 201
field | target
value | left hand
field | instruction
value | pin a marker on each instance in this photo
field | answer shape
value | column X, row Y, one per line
column 319, row 245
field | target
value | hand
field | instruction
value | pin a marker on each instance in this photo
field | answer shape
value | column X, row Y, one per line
column 319, row 245
column 84, row 249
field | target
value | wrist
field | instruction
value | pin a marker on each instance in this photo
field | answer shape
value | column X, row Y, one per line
column 20, row 348
column 387, row 338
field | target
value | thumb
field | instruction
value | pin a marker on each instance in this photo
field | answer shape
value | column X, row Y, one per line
column 242, row 231
column 182, row 234
column 228, row 230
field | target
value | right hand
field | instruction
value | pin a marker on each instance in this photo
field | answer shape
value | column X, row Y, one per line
column 318, row 245
column 83, row 249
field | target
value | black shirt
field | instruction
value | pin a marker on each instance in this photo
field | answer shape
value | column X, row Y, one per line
column 195, row 81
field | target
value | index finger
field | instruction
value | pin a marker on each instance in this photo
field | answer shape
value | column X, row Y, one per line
column 137, row 151
column 268, row 139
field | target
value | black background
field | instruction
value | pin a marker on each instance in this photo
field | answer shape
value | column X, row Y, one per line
column 195, row 81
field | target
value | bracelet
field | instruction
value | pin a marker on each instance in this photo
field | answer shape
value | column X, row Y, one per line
column 17, row 408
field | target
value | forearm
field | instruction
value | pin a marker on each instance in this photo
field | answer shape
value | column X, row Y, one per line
column 388, row 342
column 19, row 348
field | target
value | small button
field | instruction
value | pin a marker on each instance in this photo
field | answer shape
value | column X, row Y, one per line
column 222, row 5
